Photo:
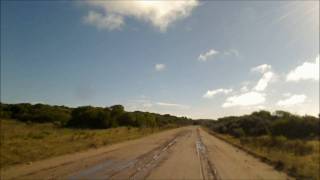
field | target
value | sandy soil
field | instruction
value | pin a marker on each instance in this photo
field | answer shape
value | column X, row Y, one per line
column 184, row 153
column 231, row 163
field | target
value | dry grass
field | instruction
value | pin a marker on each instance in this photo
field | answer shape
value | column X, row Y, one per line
column 23, row 143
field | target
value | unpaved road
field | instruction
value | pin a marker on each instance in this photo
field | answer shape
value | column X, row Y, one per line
column 184, row 153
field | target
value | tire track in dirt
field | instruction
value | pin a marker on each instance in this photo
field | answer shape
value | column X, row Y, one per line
column 136, row 168
column 184, row 153
column 135, row 159
column 208, row 172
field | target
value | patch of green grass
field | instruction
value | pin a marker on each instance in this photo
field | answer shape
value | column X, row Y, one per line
column 23, row 142
column 304, row 165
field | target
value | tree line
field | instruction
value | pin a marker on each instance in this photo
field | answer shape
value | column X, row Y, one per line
column 279, row 123
column 89, row 116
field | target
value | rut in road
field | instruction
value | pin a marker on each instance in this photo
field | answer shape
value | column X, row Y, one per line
column 206, row 167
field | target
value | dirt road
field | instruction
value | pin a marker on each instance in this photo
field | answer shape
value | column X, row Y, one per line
column 184, row 153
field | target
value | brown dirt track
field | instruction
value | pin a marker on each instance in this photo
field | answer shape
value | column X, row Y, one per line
column 184, row 153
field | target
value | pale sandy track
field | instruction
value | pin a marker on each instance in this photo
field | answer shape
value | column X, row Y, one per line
column 184, row 153
column 232, row 163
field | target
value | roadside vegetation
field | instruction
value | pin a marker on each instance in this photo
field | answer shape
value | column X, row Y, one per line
column 288, row 141
column 27, row 142
column 88, row 117
column 33, row 132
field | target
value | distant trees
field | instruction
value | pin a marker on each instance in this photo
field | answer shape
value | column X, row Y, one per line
column 36, row 113
column 88, row 116
column 281, row 123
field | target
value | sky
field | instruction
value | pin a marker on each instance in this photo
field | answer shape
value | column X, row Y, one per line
column 200, row 59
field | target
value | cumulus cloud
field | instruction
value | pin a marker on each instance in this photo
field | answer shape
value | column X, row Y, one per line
column 264, row 81
column 181, row 106
column 212, row 93
column 160, row 67
column 245, row 99
column 292, row 100
column 206, row 55
column 160, row 14
column 306, row 71
column 261, row 68
column 255, row 97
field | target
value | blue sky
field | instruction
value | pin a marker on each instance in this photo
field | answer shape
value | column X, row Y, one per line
column 197, row 59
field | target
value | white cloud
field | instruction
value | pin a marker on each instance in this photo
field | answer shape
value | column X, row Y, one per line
column 263, row 82
column 246, row 99
column 212, row 52
column 146, row 104
column 292, row 100
column 160, row 67
column 204, row 56
column 181, row 106
column 160, row 14
column 261, row 68
column 267, row 76
column 109, row 22
column 306, row 71
column 210, row 94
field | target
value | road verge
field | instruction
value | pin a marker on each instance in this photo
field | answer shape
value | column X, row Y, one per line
column 277, row 165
